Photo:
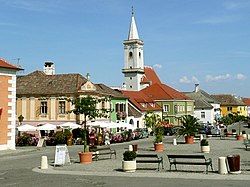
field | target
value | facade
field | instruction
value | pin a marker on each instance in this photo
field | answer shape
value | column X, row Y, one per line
column 174, row 104
column 206, row 108
column 247, row 102
column 45, row 100
column 231, row 104
column 7, row 104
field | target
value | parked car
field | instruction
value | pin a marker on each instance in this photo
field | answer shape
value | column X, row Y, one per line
column 169, row 131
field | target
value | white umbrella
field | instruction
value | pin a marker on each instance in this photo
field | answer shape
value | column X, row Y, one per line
column 100, row 124
column 47, row 126
column 27, row 127
column 126, row 125
column 69, row 125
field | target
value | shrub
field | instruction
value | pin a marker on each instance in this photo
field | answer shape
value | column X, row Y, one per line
column 129, row 155
column 204, row 142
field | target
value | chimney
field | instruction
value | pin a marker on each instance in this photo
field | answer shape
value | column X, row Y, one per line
column 49, row 68
column 196, row 88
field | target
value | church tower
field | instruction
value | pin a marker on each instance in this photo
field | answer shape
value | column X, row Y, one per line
column 133, row 58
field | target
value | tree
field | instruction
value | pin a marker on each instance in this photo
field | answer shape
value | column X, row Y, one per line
column 87, row 107
column 155, row 122
column 189, row 125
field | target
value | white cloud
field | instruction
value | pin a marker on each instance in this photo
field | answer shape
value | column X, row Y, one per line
column 225, row 77
column 157, row 66
column 185, row 80
column 240, row 76
column 236, row 5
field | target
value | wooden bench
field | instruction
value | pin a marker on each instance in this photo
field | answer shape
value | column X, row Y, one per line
column 246, row 143
column 149, row 158
column 190, row 160
column 103, row 151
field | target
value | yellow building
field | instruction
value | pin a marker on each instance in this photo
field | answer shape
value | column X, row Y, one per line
column 42, row 96
column 231, row 104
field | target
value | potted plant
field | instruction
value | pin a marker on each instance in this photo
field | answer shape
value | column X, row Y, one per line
column 158, row 133
column 68, row 136
column 129, row 162
column 86, row 106
column 205, row 148
column 189, row 128
column 154, row 121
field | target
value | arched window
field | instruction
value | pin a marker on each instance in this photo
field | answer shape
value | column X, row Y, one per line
column 139, row 54
column 130, row 54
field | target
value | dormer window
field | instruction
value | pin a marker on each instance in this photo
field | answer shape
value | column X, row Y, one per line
column 152, row 104
column 143, row 104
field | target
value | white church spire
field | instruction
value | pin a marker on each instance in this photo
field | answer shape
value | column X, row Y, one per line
column 133, row 33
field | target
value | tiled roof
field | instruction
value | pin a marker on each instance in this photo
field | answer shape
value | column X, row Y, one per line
column 246, row 101
column 133, row 112
column 4, row 64
column 163, row 92
column 200, row 101
column 228, row 100
column 109, row 91
column 138, row 97
column 39, row 83
column 150, row 76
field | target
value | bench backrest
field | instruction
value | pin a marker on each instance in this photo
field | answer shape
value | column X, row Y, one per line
column 101, row 149
column 147, row 155
column 187, row 156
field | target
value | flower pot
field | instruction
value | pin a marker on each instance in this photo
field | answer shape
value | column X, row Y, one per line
column 159, row 147
column 189, row 139
column 240, row 137
column 85, row 157
column 129, row 166
column 205, row 149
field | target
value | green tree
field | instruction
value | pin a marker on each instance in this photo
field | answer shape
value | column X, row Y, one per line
column 87, row 107
column 189, row 125
column 155, row 122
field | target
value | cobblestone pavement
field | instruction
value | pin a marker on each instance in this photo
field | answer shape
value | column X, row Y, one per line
column 113, row 167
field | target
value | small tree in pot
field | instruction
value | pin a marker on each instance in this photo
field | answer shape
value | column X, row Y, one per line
column 189, row 128
column 86, row 106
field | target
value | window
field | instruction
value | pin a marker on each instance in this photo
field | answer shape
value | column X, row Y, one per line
column 103, row 104
column 130, row 78
column 229, row 108
column 130, row 54
column 203, row 115
column 152, row 104
column 189, row 108
column 140, row 54
column 61, row 107
column 143, row 104
column 165, row 108
column 43, row 107
column 120, row 107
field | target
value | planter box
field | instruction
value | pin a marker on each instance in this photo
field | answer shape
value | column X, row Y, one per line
column 129, row 166
column 205, row 149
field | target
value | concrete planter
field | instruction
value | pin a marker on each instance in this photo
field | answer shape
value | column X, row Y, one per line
column 129, row 166
column 205, row 149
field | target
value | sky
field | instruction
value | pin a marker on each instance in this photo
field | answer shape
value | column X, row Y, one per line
column 186, row 41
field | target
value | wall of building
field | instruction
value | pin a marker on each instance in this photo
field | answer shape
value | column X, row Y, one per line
column 8, row 104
